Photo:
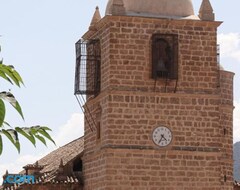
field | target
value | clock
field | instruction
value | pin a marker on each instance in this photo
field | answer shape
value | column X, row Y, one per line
column 162, row 136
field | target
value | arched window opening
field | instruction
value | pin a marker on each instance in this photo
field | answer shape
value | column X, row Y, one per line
column 164, row 56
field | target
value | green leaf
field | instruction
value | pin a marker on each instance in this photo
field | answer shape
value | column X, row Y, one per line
column 17, row 145
column 33, row 130
column 2, row 74
column 25, row 133
column 17, row 76
column 9, row 72
column 41, row 139
column 45, row 134
column 46, row 128
column 19, row 109
column 1, row 145
column 13, row 137
column 2, row 112
column 6, row 123
column 9, row 97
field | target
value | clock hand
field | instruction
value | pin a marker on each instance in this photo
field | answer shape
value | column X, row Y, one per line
column 160, row 139
column 164, row 138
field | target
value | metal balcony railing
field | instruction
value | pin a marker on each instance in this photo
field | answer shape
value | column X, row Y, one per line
column 88, row 64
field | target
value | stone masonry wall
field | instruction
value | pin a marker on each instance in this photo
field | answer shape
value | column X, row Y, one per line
column 132, row 104
column 130, row 54
column 162, row 170
column 226, row 122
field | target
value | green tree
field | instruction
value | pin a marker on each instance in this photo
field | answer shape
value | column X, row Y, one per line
column 9, row 74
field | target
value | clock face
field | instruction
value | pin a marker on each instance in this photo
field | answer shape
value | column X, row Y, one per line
column 162, row 136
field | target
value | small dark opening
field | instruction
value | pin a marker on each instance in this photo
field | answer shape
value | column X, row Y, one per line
column 225, row 178
column 98, row 130
column 225, row 131
column 77, row 165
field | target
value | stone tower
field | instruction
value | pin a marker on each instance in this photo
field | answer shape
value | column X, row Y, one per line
column 159, row 110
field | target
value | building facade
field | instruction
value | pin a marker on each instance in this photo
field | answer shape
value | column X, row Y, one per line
column 159, row 108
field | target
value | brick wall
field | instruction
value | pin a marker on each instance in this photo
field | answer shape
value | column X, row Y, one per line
column 236, row 187
column 130, row 53
column 226, row 123
column 132, row 105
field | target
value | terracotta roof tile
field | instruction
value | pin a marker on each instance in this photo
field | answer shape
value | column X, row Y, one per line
column 67, row 153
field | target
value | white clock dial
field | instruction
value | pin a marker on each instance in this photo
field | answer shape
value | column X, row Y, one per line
column 162, row 136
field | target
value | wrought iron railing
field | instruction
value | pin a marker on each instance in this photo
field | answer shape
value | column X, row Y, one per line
column 87, row 76
column 88, row 65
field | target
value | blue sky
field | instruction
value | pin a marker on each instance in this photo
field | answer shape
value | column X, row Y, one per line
column 38, row 38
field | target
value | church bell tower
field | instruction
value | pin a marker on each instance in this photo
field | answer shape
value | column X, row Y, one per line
column 158, row 107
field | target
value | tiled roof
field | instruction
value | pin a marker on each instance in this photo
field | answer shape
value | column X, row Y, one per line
column 67, row 153
column 49, row 167
column 51, row 178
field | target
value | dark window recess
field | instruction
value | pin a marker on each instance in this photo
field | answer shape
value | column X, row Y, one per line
column 88, row 67
column 218, row 53
column 98, row 130
column 164, row 56
column 225, row 178
column 77, row 165
column 224, row 131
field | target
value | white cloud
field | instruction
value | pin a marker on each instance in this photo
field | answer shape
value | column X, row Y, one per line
column 236, row 123
column 18, row 164
column 230, row 45
column 72, row 130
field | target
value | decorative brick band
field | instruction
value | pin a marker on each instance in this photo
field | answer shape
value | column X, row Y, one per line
column 198, row 149
column 179, row 148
